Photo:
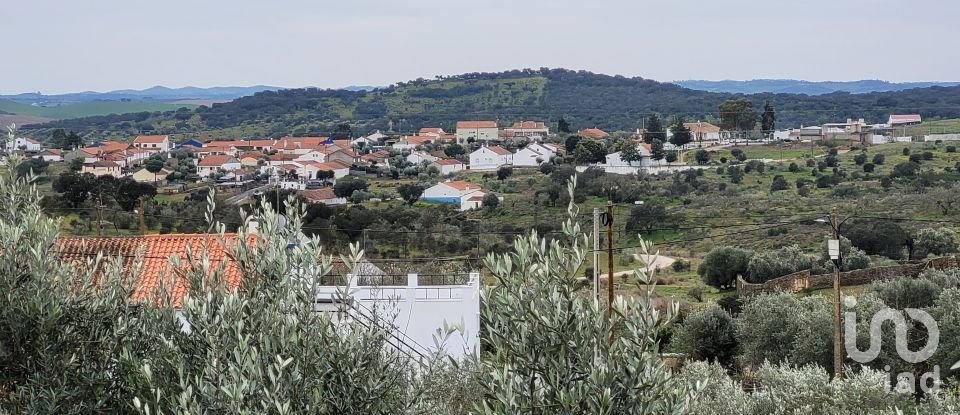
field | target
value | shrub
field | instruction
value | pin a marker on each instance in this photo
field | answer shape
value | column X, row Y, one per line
column 904, row 293
column 811, row 162
column 696, row 293
column 504, row 172
column 793, row 168
column 908, row 169
column 702, row 157
column 680, row 265
column 877, row 237
column 671, row 157
column 846, row 191
column 738, row 153
column 723, row 160
column 782, row 327
column 779, row 183
column 721, row 170
column 754, row 165
column 860, row 159
column 722, row 265
column 868, row 167
column 927, row 155
column 803, row 191
column 768, row 265
column 736, row 175
column 906, row 151
column 878, row 159
column 916, row 158
column 938, row 242
column 951, row 149
column 707, row 334
column 830, row 161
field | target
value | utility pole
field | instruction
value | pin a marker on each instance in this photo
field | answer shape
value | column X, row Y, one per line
column 596, row 254
column 99, row 214
column 609, row 259
column 833, row 248
column 143, row 226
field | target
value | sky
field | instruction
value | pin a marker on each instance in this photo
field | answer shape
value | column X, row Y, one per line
column 57, row 46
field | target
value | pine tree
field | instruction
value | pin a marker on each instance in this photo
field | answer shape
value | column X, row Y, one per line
column 681, row 134
column 768, row 120
column 654, row 129
column 656, row 150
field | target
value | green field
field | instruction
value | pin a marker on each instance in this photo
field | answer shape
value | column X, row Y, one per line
column 86, row 109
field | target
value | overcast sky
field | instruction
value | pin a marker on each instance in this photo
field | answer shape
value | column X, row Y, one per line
column 56, row 46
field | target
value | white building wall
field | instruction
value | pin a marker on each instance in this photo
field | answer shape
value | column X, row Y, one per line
column 440, row 190
column 486, row 159
column 478, row 134
column 450, row 169
column 418, row 311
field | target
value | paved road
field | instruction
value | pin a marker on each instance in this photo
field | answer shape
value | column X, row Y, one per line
column 240, row 197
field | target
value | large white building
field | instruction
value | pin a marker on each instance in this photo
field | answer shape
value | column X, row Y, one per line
column 482, row 131
column 534, row 155
column 449, row 166
column 28, row 145
column 614, row 160
column 490, row 158
column 528, row 129
column 158, row 143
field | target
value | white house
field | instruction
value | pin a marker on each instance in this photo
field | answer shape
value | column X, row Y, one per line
column 410, row 142
column 415, row 311
column 418, row 157
column 477, row 131
column 614, row 160
column 466, row 195
column 308, row 169
column 323, row 195
column 490, row 158
column 534, row 155
column 449, row 166
column 28, row 145
column 158, row 143
column 210, row 164
column 51, row 155
column 900, row 120
column 369, row 141
column 102, row 168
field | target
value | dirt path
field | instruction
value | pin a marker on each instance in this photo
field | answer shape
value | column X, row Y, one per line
column 662, row 262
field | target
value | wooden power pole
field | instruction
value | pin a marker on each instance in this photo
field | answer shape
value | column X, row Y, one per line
column 143, row 225
column 837, row 329
column 609, row 259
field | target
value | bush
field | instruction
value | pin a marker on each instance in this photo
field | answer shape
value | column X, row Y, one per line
column 671, row 157
column 707, row 334
column 696, row 293
column 723, row 160
column 547, row 168
column 754, row 165
column 906, row 151
column 831, row 160
column 738, row 154
column 878, row 159
column 504, row 172
column 736, row 175
column 793, row 168
column 803, row 191
column 916, row 158
column 904, row 293
column 722, row 265
column 783, row 327
column 490, row 201
column 833, row 151
column 908, row 169
column 868, row 168
column 811, row 163
column 702, row 157
column 951, row 149
column 880, row 237
column 767, row 265
column 927, row 155
column 937, row 242
column 680, row 265
column 860, row 159
column 779, row 183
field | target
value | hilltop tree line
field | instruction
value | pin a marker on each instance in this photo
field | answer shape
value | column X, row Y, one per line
column 582, row 99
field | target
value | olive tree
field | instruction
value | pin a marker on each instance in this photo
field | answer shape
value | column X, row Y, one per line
column 930, row 241
column 722, row 265
column 551, row 349
column 767, row 265
column 707, row 334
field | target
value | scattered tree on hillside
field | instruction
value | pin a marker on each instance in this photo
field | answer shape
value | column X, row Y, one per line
column 347, row 185
column 490, row 201
column 563, row 126
column 656, row 150
column 722, row 265
column 768, row 120
column 628, row 150
column 128, row 192
column 935, row 241
column 504, row 172
column 410, row 192
column 654, row 129
column 702, row 157
column 571, row 143
column 681, row 134
column 877, row 237
column 737, row 115
column 454, row 150
column 589, row 151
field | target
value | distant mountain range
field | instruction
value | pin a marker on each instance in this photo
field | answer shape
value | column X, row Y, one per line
column 157, row 93
column 791, row 86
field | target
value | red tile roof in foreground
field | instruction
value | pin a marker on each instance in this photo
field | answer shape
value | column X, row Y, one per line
column 156, row 251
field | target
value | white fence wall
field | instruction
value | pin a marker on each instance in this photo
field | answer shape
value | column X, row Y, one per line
column 942, row 137
column 418, row 312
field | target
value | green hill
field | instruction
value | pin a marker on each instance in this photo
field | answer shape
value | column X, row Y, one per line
column 582, row 98
column 87, row 109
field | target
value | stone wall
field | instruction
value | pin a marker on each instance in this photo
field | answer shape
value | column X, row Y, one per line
column 800, row 281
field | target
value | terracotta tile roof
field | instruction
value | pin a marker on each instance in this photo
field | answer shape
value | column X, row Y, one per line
column 499, row 150
column 283, row 157
column 251, row 154
column 294, row 143
column 432, row 130
column 904, row 118
column 593, row 133
column 376, row 156
column 215, row 160
column 156, row 252
column 475, row 198
column 114, row 157
column 701, row 127
column 448, row 162
column 150, row 139
column 52, row 151
column 30, row 140
column 476, row 124
column 462, row 185
column 318, row 195
column 529, row 125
